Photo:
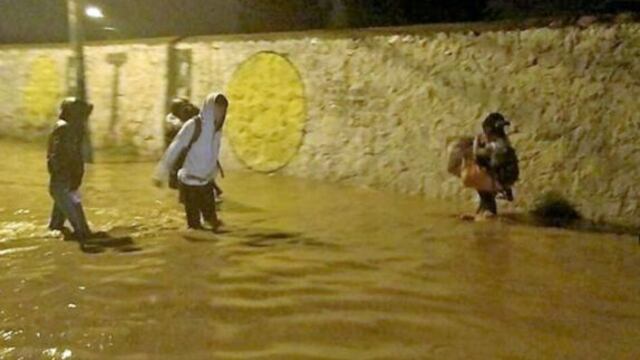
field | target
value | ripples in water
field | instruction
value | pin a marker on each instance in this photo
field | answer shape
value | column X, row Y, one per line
column 303, row 271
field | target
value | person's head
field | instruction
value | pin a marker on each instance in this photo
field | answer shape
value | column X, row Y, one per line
column 179, row 107
column 75, row 111
column 189, row 111
column 220, row 110
column 215, row 109
column 176, row 106
column 494, row 125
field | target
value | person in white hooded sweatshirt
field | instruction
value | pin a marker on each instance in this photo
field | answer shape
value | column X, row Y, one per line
column 200, row 167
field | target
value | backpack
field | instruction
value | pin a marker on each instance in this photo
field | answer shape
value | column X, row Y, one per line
column 174, row 183
column 507, row 169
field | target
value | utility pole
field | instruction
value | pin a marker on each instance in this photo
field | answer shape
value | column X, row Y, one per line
column 76, row 37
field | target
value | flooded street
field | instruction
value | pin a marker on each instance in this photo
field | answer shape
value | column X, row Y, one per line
column 305, row 270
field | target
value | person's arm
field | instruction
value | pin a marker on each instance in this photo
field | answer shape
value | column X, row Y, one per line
column 173, row 152
column 480, row 150
column 171, row 127
column 59, row 151
column 77, row 174
column 483, row 152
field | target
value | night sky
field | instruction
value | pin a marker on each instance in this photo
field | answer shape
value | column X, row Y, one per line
column 46, row 21
column 23, row 21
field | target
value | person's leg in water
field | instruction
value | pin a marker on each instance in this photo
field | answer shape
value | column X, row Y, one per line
column 191, row 199
column 208, row 206
column 57, row 220
column 506, row 194
column 488, row 204
column 65, row 207
column 82, row 217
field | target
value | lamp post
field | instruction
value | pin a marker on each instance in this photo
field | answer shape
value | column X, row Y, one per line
column 76, row 38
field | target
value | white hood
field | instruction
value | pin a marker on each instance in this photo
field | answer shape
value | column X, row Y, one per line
column 201, row 165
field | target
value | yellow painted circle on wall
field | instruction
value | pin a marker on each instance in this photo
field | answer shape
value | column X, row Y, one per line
column 267, row 112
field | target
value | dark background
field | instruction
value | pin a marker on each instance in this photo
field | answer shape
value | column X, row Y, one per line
column 24, row 21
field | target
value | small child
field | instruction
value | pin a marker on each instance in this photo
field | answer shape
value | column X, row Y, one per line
column 493, row 151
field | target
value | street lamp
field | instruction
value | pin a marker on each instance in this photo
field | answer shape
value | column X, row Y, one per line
column 94, row 12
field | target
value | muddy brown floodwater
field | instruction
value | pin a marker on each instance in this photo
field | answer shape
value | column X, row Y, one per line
column 305, row 271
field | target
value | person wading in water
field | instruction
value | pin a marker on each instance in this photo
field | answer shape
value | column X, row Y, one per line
column 182, row 110
column 488, row 164
column 194, row 153
column 66, row 168
column 495, row 155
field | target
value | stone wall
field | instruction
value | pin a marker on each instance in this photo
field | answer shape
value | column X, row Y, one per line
column 127, row 82
column 128, row 85
column 32, row 80
column 381, row 106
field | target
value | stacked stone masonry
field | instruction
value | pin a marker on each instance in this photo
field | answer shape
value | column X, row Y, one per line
column 378, row 108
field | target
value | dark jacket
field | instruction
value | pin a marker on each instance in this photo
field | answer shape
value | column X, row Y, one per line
column 500, row 159
column 64, row 156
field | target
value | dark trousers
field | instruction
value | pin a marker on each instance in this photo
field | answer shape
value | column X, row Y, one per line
column 65, row 208
column 199, row 203
column 488, row 202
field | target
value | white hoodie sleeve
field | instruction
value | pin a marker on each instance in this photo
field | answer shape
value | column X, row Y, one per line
column 171, row 155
